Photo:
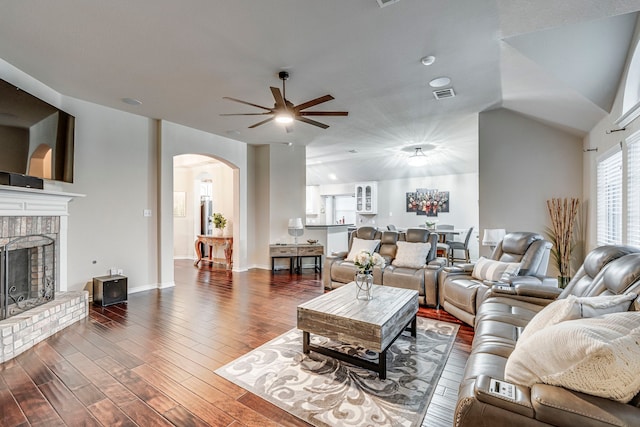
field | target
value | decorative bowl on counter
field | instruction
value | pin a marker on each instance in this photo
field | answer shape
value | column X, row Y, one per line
column 312, row 241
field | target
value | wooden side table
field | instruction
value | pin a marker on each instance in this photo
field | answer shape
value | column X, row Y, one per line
column 214, row 242
column 295, row 253
column 283, row 251
column 315, row 251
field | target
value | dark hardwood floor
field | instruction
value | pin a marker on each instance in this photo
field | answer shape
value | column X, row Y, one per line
column 150, row 362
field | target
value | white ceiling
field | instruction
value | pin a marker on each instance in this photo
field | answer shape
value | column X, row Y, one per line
column 557, row 61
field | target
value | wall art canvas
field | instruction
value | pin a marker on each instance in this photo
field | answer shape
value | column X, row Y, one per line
column 427, row 201
column 411, row 202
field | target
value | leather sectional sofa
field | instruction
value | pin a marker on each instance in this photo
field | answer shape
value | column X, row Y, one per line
column 502, row 318
column 338, row 271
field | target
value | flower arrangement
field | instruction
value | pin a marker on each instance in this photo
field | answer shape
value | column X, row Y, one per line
column 219, row 221
column 365, row 261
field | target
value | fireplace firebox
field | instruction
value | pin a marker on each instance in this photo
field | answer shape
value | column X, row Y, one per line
column 27, row 274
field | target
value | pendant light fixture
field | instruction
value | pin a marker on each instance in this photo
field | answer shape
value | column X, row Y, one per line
column 418, row 158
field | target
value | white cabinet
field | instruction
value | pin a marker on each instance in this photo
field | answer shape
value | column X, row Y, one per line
column 367, row 198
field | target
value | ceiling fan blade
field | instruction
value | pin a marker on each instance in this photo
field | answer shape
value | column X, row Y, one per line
column 246, row 103
column 313, row 102
column 261, row 123
column 324, row 113
column 277, row 95
column 245, row 114
column 312, row 122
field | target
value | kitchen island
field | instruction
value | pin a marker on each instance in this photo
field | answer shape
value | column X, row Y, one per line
column 334, row 237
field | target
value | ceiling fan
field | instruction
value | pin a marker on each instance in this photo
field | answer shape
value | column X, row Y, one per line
column 285, row 112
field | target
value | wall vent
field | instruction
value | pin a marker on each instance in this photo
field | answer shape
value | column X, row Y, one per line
column 444, row 93
column 383, row 3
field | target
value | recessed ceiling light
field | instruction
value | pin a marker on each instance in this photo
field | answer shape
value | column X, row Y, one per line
column 132, row 101
column 428, row 60
column 333, row 176
column 440, row 82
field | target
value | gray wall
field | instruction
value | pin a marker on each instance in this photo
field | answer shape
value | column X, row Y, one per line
column 523, row 163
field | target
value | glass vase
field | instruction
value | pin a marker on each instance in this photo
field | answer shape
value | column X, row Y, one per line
column 364, row 285
column 563, row 281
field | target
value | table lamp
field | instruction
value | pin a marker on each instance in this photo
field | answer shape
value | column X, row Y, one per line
column 296, row 229
column 493, row 236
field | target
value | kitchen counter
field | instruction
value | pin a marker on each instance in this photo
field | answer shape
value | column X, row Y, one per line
column 334, row 237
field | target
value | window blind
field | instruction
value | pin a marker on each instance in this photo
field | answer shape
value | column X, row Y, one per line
column 633, row 193
column 609, row 199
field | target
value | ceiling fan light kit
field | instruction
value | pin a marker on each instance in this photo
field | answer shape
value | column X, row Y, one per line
column 284, row 118
column 285, row 112
column 418, row 158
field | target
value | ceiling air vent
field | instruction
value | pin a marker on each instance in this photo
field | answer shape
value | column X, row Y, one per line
column 444, row 93
column 384, row 3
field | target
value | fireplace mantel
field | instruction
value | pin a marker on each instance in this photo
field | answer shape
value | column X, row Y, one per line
column 29, row 202
column 20, row 201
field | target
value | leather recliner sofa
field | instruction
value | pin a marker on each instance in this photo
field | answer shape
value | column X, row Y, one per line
column 338, row 271
column 461, row 294
column 501, row 318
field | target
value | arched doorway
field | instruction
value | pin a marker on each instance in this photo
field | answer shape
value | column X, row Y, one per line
column 202, row 185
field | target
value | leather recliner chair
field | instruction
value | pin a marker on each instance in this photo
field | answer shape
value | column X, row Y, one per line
column 607, row 270
column 461, row 294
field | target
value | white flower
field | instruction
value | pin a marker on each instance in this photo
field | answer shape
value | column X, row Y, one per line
column 365, row 260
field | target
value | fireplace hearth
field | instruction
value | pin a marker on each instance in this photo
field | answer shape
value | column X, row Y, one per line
column 35, row 302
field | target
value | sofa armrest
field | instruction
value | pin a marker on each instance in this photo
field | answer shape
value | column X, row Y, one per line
column 565, row 408
column 537, row 291
column 339, row 255
column 460, row 268
column 437, row 263
column 519, row 402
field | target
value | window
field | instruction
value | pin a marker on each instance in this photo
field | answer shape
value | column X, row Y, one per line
column 633, row 192
column 609, row 198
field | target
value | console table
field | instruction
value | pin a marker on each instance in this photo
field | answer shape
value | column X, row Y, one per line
column 295, row 253
column 215, row 242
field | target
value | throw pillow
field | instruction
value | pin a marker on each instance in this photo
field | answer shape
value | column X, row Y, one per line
column 495, row 271
column 359, row 245
column 598, row 356
column 574, row 307
column 411, row 254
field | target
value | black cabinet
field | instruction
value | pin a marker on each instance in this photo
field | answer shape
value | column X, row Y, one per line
column 109, row 290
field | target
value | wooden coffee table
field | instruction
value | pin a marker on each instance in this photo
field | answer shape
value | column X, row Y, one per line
column 373, row 324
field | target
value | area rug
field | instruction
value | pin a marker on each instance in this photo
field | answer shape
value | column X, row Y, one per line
column 327, row 392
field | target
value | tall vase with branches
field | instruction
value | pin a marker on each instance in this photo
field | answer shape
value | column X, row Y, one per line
column 563, row 214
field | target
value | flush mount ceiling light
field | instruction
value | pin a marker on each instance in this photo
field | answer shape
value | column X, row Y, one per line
column 418, row 158
column 132, row 101
column 428, row 60
column 440, row 82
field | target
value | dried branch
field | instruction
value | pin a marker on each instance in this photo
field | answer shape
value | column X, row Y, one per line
column 563, row 216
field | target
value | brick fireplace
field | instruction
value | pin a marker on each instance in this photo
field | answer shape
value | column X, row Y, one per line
column 33, row 245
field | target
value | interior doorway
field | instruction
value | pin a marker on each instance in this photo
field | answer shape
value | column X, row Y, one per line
column 202, row 186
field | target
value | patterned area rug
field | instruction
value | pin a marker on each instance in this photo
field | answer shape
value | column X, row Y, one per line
column 327, row 392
